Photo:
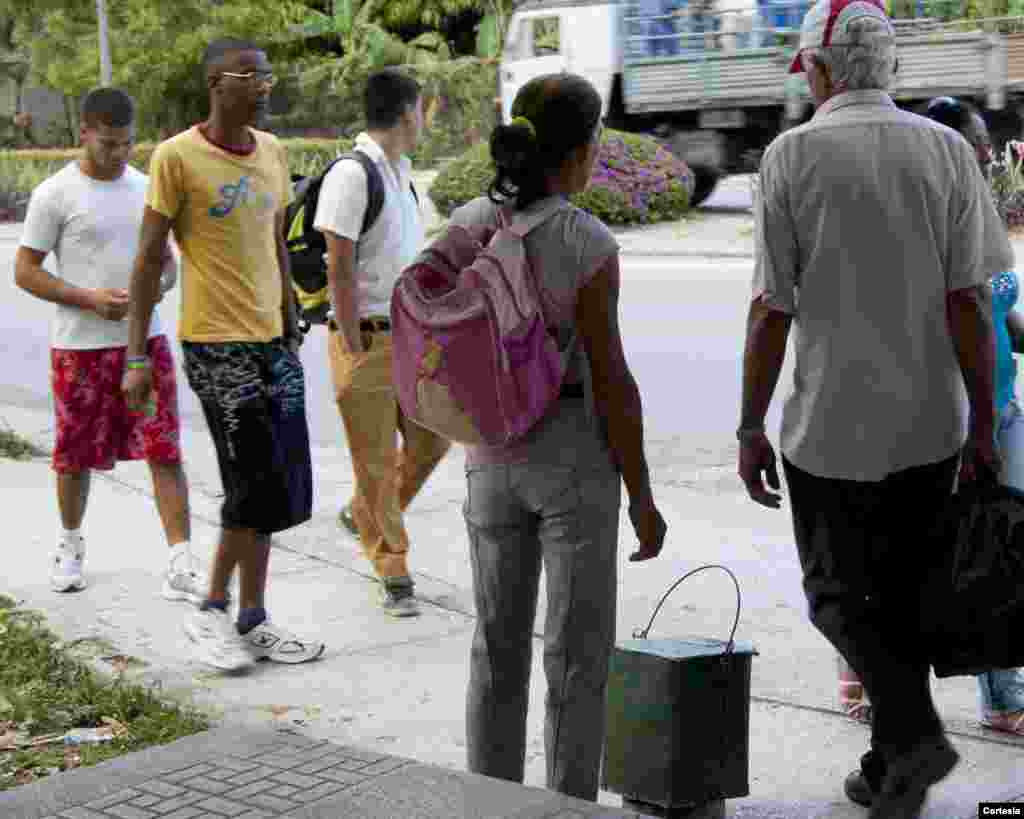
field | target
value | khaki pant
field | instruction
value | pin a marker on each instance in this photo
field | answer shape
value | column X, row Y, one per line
column 387, row 477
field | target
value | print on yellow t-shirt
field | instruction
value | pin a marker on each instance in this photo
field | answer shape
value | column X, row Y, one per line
column 222, row 209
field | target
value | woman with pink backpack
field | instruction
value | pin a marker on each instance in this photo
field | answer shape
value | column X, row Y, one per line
column 552, row 497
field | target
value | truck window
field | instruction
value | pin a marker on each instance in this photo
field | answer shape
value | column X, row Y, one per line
column 546, row 36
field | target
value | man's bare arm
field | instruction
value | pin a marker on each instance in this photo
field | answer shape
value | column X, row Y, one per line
column 32, row 277
column 970, row 326
column 767, row 335
column 145, row 286
column 289, row 313
column 341, row 283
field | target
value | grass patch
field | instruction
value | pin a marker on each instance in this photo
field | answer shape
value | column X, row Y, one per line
column 46, row 692
column 17, row 448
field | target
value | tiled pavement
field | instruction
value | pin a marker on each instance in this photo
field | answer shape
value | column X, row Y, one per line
column 233, row 774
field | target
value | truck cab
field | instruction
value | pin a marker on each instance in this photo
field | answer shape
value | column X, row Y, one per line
column 560, row 35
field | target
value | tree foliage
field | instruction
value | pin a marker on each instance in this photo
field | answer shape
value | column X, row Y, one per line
column 156, row 47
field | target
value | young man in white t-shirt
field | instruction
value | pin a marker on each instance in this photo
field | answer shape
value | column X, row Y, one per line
column 89, row 216
column 362, row 269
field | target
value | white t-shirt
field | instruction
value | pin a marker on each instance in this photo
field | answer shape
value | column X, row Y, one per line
column 92, row 228
column 394, row 239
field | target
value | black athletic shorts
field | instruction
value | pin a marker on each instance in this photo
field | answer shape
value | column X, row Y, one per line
column 253, row 397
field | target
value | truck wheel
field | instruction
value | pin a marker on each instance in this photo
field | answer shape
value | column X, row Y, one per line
column 705, row 178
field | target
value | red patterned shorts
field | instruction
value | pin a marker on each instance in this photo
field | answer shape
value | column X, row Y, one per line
column 95, row 428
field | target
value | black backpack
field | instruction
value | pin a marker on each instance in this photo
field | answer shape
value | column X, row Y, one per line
column 307, row 246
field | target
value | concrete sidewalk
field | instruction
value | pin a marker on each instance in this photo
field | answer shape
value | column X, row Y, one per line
column 396, row 689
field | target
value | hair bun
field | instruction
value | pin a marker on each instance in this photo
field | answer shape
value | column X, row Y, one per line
column 512, row 146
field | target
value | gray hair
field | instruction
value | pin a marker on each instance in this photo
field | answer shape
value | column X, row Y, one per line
column 866, row 61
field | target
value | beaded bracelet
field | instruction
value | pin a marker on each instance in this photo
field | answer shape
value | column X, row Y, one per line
column 139, row 363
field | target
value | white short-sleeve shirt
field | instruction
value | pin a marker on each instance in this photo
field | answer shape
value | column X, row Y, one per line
column 92, row 227
column 866, row 218
column 391, row 243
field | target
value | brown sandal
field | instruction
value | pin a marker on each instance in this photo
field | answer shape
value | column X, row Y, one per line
column 853, row 699
column 1007, row 723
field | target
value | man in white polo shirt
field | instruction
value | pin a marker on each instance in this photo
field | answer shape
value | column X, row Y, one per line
column 363, row 265
column 876, row 239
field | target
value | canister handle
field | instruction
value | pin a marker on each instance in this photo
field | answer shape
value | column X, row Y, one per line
column 642, row 634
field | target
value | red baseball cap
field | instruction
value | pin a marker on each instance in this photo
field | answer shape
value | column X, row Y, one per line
column 827, row 23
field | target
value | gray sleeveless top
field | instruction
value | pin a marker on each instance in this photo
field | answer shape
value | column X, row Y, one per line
column 565, row 252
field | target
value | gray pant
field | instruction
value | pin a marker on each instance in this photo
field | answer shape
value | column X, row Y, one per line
column 519, row 516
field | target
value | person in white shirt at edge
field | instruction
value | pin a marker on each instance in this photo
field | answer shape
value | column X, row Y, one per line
column 89, row 216
column 362, row 270
column 876, row 240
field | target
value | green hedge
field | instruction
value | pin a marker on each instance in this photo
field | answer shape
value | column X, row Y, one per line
column 22, row 171
column 635, row 181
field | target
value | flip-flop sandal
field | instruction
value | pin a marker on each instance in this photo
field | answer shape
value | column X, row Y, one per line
column 1012, row 723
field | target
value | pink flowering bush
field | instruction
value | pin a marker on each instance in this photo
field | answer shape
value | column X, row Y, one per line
column 635, row 181
column 1006, row 176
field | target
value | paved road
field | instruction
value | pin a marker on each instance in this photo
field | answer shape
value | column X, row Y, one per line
column 732, row 194
column 682, row 320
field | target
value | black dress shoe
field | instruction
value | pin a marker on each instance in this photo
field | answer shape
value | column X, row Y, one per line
column 864, row 785
column 909, row 777
column 858, row 790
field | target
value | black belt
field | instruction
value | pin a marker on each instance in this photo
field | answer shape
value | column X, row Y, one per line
column 571, row 391
column 369, row 325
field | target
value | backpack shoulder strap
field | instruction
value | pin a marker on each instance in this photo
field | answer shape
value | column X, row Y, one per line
column 374, row 187
column 308, row 193
column 523, row 223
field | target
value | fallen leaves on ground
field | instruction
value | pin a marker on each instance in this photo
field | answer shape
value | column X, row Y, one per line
column 119, row 663
column 9, row 738
column 117, row 729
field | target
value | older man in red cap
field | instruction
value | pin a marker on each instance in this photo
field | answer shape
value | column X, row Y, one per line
column 875, row 243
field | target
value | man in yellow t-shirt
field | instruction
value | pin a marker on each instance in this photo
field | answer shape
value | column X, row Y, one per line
column 222, row 187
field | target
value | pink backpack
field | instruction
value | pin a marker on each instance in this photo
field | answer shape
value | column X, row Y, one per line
column 473, row 358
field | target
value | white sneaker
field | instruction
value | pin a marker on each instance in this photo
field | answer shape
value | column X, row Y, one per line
column 184, row 579
column 217, row 642
column 66, row 567
column 270, row 642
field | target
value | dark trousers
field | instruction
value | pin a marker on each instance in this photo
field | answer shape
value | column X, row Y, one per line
column 862, row 547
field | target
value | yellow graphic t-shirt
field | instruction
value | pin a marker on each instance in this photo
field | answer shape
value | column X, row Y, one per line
column 222, row 208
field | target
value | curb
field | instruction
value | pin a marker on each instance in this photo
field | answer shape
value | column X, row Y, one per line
column 701, row 254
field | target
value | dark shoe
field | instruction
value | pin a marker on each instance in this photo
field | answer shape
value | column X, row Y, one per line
column 862, row 786
column 909, row 777
column 346, row 520
column 397, row 599
column 858, row 790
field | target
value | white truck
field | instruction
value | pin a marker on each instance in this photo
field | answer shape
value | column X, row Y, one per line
column 709, row 78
